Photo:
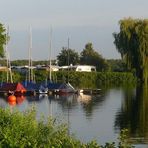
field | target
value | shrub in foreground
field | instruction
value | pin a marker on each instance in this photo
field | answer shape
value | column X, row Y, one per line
column 19, row 129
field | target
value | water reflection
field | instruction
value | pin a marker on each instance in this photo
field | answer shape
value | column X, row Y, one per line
column 2, row 102
column 89, row 103
column 71, row 101
column 20, row 99
column 133, row 114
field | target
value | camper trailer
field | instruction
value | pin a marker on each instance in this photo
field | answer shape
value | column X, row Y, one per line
column 79, row 68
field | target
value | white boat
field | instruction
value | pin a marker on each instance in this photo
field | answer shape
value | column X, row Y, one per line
column 43, row 90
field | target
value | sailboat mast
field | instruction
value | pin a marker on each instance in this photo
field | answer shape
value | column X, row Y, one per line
column 50, row 46
column 11, row 80
column 6, row 52
column 30, row 58
column 68, row 58
column 8, row 57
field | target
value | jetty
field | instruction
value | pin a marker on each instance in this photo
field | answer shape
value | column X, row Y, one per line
column 89, row 91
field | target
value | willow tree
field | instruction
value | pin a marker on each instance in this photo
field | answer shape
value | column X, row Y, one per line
column 132, row 43
column 2, row 40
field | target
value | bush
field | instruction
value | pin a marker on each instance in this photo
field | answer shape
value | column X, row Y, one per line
column 23, row 130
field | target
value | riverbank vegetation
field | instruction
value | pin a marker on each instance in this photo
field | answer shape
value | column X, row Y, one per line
column 96, row 79
column 24, row 130
column 79, row 79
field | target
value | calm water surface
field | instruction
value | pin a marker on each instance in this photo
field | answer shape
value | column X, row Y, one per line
column 99, row 117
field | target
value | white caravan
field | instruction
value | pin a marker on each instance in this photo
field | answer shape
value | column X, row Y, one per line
column 79, row 68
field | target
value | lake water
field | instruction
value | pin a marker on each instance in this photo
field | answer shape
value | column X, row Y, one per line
column 99, row 117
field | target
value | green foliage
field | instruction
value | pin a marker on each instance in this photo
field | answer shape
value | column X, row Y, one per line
column 132, row 43
column 124, row 139
column 19, row 62
column 115, row 78
column 96, row 79
column 2, row 40
column 93, row 144
column 117, row 65
column 90, row 57
column 23, row 130
column 67, row 57
column 40, row 75
column 2, row 76
column 3, row 62
column 16, row 76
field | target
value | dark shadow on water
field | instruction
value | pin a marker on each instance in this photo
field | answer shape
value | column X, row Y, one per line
column 133, row 114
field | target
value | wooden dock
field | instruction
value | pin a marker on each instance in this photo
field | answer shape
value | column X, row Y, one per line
column 90, row 91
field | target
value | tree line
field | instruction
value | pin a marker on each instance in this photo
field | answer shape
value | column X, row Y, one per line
column 87, row 57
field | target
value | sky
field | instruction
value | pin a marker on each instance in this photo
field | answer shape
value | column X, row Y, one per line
column 81, row 21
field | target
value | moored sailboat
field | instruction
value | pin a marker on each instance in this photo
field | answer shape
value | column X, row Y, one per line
column 9, row 87
column 60, row 88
